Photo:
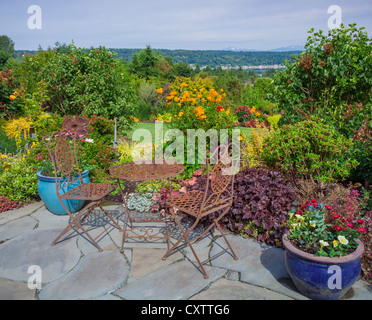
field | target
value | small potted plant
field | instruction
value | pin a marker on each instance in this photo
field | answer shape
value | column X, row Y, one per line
column 323, row 251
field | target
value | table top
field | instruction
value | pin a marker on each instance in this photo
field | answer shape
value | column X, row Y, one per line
column 141, row 172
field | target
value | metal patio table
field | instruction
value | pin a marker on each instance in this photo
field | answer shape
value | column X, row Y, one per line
column 131, row 174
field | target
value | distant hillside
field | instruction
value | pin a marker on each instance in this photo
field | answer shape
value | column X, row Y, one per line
column 212, row 58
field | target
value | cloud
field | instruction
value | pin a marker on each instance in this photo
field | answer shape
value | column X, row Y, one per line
column 193, row 24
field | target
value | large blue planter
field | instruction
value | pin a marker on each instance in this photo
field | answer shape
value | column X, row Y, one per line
column 47, row 192
column 322, row 278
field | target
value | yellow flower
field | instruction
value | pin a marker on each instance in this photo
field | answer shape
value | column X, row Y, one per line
column 343, row 240
column 257, row 114
column 12, row 97
column 180, row 114
column 160, row 91
column 240, row 138
column 335, row 243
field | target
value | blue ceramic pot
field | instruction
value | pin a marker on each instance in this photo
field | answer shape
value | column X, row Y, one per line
column 47, row 192
column 322, row 278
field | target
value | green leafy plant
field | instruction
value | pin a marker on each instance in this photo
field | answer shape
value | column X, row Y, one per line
column 330, row 76
column 310, row 149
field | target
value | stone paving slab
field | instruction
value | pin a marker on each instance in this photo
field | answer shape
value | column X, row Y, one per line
column 225, row 289
column 96, row 275
column 258, row 264
column 34, row 248
column 178, row 281
column 74, row 269
column 11, row 215
column 147, row 260
column 17, row 227
column 13, row 290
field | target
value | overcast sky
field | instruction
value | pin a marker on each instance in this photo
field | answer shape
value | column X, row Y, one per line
column 173, row 24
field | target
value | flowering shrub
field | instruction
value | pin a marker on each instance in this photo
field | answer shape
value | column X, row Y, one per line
column 251, row 149
column 251, row 116
column 313, row 231
column 8, row 95
column 196, row 104
column 18, row 128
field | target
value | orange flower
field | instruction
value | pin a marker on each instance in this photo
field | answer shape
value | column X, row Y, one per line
column 12, row 97
column 160, row 91
column 183, row 84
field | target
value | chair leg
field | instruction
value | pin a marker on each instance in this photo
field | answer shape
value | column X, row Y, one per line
column 185, row 237
column 76, row 222
column 227, row 242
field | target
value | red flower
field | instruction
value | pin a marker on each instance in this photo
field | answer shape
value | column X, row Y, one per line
column 338, row 228
column 362, row 230
column 328, row 207
column 345, row 228
column 336, row 216
column 313, row 201
column 299, row 212
column 360, row 221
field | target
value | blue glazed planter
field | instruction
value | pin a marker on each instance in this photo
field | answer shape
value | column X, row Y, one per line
column 47, row 192
column 322, row 278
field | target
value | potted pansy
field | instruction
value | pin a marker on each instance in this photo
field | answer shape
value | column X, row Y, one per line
column 323, row 251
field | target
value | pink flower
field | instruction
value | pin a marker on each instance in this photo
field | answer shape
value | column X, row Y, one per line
column 360, row 221
column 336, row 216
column 328, row 207
column 198, row 172
column 362, row 230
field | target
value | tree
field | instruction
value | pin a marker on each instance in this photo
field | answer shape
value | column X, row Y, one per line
column 331, row 75
column 144, row 63
column 6, row 50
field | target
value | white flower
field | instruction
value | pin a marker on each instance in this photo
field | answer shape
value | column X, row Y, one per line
column 89, row 140
column 323, row 243
column 343, row 240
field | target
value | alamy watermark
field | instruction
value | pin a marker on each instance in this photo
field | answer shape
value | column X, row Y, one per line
column 335, row 280
column 335, row 20
column 34, row 281
column 220, row 147
column 34, row 21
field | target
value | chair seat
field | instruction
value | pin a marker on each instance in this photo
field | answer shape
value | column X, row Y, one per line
column 188, row 202
column 191, row 201
column 89, row 191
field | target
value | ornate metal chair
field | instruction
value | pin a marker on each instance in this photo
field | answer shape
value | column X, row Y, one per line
column 216, row 199
column 62, row 150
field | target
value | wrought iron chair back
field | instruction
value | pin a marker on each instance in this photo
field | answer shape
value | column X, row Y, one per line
column 220, row 182
column 61, row 146
column 62, row 149
column 216, row 198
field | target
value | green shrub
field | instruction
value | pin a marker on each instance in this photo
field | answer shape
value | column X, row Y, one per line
column 331, row 79
column 273, row 120
column 19, row 183
column 309, row 149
